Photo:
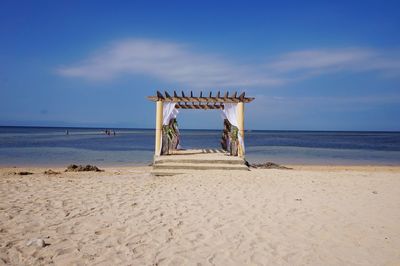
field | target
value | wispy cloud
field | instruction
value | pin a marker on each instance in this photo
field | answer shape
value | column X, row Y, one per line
column 321, row 59
column 308, row 63
column 306, row 112
column 166, row 61
column 284, row 105
column 179, row 64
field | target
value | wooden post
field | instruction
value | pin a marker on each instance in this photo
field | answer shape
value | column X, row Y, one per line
column 159, row 120
column 240, row 120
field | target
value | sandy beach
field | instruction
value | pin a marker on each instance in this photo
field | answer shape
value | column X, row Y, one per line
column 311, row 215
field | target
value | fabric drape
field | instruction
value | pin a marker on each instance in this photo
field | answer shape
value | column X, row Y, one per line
column 230, row 112
column 169, row 112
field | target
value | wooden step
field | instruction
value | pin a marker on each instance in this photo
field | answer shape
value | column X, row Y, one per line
column 172, row 172
column 199, row 161
column 189, row 161
column 200, row 166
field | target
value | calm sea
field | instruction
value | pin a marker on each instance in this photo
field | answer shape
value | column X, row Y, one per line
column 42, row 146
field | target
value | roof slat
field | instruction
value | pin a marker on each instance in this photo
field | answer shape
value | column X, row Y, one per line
column 202, row 107
column 241, row 96
column 159, row 95
column 167, row 95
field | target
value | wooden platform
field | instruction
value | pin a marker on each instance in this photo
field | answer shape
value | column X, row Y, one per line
column 184, row 161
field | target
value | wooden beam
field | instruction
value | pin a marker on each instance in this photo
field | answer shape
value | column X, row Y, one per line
column 219, row 100
column 234, row 100
column 248, row 99
column 240, row 121
column 159, row 119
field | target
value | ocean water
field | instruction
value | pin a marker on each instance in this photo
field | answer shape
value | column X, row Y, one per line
column 40, row 146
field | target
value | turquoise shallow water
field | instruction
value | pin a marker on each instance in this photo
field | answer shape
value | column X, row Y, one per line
column 51, row 146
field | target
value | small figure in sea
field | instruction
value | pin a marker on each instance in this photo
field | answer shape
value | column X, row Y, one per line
column 114, row 132
column 66, row 132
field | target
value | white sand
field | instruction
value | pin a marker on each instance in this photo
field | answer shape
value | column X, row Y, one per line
column 306, row 216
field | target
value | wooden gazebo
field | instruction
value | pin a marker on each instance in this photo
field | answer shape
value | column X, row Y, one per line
column 201, row 102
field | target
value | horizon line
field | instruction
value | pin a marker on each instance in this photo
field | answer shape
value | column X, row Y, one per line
column 203, row 129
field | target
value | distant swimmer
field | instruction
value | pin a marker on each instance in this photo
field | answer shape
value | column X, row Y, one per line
column 66, row 132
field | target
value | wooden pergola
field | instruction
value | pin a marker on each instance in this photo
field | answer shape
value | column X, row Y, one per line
column 201, row 102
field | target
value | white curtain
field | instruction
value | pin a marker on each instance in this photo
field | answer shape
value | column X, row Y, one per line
column 169, row 112
column 229, row 112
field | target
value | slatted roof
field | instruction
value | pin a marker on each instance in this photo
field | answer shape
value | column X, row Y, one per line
column 191, row 101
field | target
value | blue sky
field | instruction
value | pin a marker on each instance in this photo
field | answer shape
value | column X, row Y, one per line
column 314, row 65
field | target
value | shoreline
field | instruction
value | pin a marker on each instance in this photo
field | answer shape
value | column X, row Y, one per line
column 294, row 167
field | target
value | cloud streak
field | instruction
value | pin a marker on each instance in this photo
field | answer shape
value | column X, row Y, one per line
column 166, row 61
column 309, row 63
column 177, row 63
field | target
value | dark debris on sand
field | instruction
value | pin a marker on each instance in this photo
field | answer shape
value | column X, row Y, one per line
column 24, row 173
column 81, row 168
column 51, row 172
column 267, row 165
